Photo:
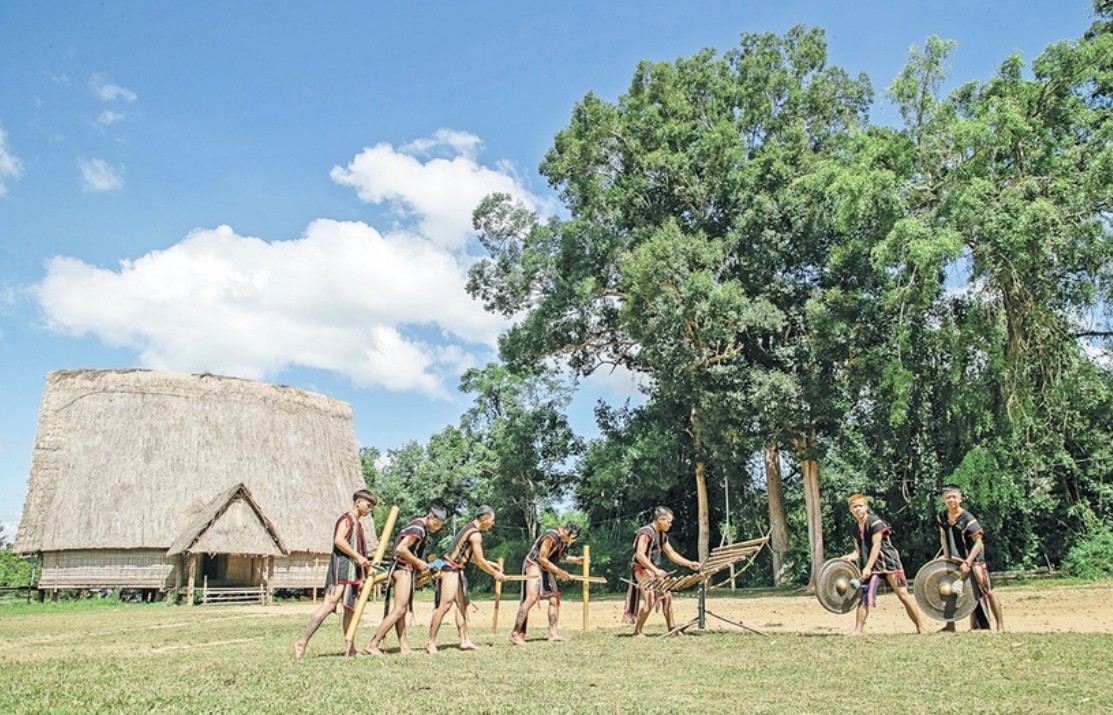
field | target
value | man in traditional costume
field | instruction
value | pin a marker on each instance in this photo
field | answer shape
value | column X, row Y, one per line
column 872, row 543
column 962, row 538
column 540, row 562
column 409, row 560
column 347, row 567
column 650, row 542
column 452, row 587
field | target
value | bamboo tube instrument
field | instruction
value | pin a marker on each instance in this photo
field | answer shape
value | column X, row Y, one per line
column 369, row 581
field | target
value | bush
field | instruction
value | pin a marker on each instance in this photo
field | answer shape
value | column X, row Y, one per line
column 1091, row 559
column 15, row 571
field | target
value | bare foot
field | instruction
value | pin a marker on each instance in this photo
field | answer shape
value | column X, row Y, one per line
column 431, row 648
column 949, row 628
column 299, row 649
column 405, row 649
column 372, row 650
column 517, row 639
column 468, row 645
column 350, row 650
column 856, row 633
column 638, row 635
column 557, row 638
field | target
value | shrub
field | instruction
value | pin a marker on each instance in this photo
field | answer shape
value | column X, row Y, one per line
column 1091, row 558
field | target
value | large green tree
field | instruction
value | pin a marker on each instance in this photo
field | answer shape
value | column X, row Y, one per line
column 682, row 259
column 524, row 445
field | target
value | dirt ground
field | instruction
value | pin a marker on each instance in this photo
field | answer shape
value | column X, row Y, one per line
column 1033, row 607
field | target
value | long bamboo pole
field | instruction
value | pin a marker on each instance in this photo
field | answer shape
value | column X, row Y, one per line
column 369, row 581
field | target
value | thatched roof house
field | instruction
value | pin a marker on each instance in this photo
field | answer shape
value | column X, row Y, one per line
column 138, row 478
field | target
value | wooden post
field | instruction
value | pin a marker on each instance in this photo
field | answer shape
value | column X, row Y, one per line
column 191, row 582
column 316, row 571
column 268, row 572
column 498, row 595
column 204, row 589
column 587, row 586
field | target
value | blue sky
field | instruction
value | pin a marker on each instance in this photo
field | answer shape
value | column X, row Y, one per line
column 282, row 191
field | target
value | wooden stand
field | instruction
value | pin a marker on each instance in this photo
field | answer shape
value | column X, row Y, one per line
column 586, row 579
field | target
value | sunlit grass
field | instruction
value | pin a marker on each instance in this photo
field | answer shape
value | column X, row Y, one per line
column 130, row 658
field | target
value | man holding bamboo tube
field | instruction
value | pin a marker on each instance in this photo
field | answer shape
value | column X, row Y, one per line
column 347, row 566
column 409, row 560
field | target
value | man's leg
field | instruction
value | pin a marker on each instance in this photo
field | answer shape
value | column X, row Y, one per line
column 532, row 589
column 860, row 615
column 554, row 618
column 397, row 616
column 462, row 620
column 645, row 605
column 667, row 608
column 328, row 605
column 450, row 580
column 981, row 573
column 909, row 604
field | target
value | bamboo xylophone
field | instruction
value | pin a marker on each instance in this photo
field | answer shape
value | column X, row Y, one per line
column 719, row 559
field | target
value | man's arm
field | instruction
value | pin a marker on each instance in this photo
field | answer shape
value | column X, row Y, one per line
column 340, row 541
column 483, row 564
column 641, row 555
column 971, row 557
column 943, row 543
column 875, row 551
column 402, row 551
column 547, row 564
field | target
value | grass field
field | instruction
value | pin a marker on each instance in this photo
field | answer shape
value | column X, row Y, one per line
column 105, row 657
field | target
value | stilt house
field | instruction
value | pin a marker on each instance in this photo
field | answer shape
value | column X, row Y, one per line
column 160, row 480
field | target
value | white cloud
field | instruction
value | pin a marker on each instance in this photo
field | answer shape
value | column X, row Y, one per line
column 440, row 193
column 341, row 298
column 108, row 117
column 384, row 308
column 97, row 176
column 108, row 92
column 10, row 166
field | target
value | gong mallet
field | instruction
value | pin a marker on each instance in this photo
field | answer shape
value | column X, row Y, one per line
column 369, row 581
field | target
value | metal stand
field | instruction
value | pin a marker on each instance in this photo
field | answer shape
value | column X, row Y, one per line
column 702, row 613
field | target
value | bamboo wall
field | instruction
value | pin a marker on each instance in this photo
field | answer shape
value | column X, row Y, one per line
column 145, row 568
column 300, row 570
column 138, row 568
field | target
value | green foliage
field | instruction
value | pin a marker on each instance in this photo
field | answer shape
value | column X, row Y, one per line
column 15, row 570
column 905, row 306
column 1091, row 558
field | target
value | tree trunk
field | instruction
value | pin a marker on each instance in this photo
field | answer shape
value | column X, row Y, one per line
column 778, row 520
column 809, row 469
column 701, row 490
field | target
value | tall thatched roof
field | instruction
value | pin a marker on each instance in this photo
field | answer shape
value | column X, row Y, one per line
column 128, row 459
